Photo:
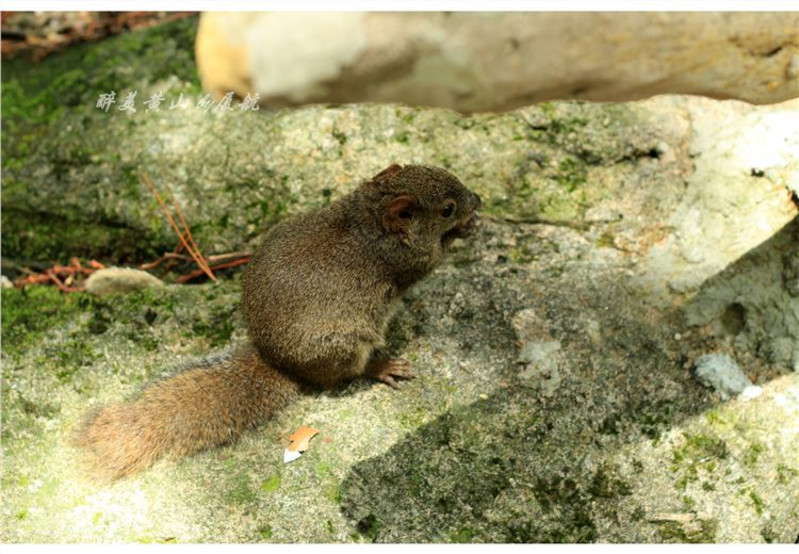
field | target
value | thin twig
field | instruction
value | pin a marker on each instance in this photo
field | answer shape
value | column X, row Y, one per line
column 61, row 286
column 167, row 256
column 219, row 257
column 198, row 272
column 179, row 211
column 197, row 257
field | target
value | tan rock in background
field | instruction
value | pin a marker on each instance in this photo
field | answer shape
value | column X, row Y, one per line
column 498, row 61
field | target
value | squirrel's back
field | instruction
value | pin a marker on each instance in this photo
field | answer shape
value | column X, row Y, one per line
column 313, row 280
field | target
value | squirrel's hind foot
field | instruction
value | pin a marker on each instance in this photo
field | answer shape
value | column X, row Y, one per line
column 386, row 370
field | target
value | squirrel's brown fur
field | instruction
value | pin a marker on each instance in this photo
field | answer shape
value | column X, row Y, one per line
column 316, row 297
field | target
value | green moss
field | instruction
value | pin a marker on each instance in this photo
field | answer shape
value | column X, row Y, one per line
column 35, row 100
column 753, row 453
column 769, row 534
column 548, row 108
column 33, row 236
column 571, row 175
column 322, row 469
column 700, row 448
column 465, row 122
column 216, row 322
column 39, row 93
column 652, row 417
column 786, row 474
column 698, row 453
column 332, row 492
column 240, row 489
column 462, row 535
column 521, row 255
column 558, row 124
column 369, row 527
column 29, row 313
column 715, row 417
column 605, row 240
column 265, row 532
column 605, row 485
column 271, row 484
column 757, row 502
column 152, row 298
column 71, row 356
column 413, row 420
column 341, row 137
column 217, row 328
column 565, row 498
column 703, row 532
column 406, row 114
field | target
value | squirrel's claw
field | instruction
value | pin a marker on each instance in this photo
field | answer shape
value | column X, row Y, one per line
column 385, row 371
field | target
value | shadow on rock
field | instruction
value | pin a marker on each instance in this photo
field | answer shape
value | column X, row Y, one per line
column 752, row 307
column 525, row 464
column 537, row 457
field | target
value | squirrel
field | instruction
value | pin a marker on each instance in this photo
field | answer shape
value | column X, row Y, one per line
column 316, row 298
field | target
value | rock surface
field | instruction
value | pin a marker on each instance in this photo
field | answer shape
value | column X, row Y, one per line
column 498, row 61
column 555, row 400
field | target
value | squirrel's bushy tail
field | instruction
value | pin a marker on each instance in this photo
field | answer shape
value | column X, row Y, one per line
column 208, row 404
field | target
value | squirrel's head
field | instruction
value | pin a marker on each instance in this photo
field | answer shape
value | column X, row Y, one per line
column 421, row 203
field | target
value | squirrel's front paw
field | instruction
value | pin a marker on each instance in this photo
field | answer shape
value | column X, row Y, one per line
column 386, row 370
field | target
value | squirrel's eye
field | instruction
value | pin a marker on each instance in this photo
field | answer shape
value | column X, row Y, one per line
column 448, row 209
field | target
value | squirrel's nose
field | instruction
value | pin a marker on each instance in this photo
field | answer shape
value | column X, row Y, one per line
column 478, row 202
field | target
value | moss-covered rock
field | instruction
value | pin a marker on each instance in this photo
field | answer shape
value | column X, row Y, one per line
column 52, row 130
column 554, row 398
column 72, row 171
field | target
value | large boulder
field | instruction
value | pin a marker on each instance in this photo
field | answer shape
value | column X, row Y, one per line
column 497, row 61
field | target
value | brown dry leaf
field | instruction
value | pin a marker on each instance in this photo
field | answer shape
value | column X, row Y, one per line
column 301, row 437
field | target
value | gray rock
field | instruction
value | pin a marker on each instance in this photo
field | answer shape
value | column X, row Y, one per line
column 722, row 374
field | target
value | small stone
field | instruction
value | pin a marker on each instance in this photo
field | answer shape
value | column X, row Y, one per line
column 537, row 352
column 721, row 373
column 6, row 283
column 542, row 365
column 120, row 279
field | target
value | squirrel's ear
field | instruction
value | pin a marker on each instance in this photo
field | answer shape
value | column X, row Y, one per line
column 390, row 170
column 400, row 213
